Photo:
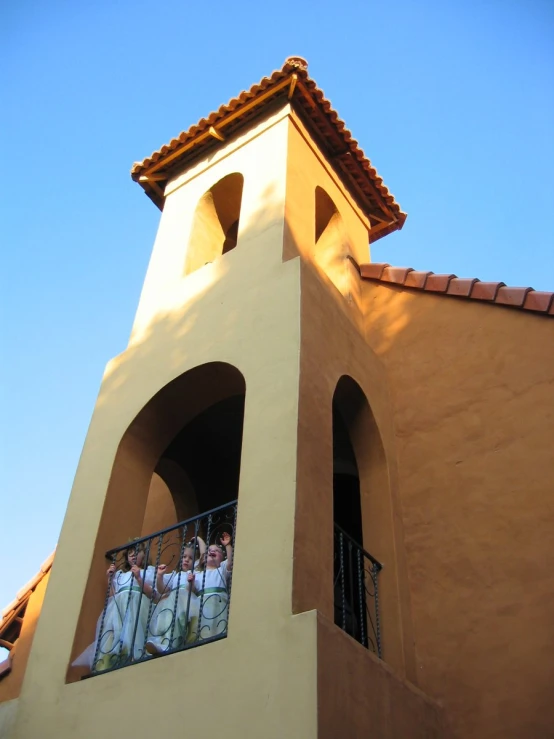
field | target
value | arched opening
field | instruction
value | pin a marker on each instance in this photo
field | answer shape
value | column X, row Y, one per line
column 216, row 222
column 178, row 460
column 355, row 569
column 331, row 241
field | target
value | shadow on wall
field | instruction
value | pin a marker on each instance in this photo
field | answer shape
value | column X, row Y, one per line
column 166, row 453
column 216, row 222
column 164, row 469
column 331, row 243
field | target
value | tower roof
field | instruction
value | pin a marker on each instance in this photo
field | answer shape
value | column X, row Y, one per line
column 291, row 83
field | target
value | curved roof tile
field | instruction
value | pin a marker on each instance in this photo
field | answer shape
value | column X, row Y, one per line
column 524, row 298
column 291, row 81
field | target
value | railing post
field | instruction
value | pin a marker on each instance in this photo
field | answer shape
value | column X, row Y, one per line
column 358, row 631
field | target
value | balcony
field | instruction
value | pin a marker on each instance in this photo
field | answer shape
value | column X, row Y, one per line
column 166, row 592
column 171, row 591
column 356, row 591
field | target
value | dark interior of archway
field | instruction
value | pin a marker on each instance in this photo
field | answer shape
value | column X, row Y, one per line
column 349, row 594
column 347, row 509
column 231, row 237
column 208, row 449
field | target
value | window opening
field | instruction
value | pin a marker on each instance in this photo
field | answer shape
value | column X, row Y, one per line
column 355, row 571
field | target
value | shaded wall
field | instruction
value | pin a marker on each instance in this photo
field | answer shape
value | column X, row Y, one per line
column 10, row 686
column 472, row 388
column 326, row 356
column 160, row 509
column 359, row 696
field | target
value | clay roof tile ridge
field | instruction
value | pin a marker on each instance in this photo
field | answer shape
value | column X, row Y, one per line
column 497, row 293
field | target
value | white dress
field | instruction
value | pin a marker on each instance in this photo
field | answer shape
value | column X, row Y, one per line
column 121, row 627
column 212, row 588
column 175, row 618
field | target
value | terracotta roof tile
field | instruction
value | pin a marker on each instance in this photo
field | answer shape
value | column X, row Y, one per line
column 470, row 288
column 396, row 274
column 12, row 609
column 291, row 82
column 373, row 271
column 438, row 283
column 512, row 295
column 539, row 301
column 485, row 290
column 461, row 286
column 417, row 279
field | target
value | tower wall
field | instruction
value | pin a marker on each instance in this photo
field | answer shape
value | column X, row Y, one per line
column 259, row 154
column 288, row 320
column 248, row 315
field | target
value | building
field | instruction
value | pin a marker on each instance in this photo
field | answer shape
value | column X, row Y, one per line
column 387, row 434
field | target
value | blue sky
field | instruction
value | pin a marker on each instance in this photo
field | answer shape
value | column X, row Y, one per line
column 452, row 102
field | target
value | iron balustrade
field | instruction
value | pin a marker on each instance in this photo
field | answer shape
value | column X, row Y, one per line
column 356, row 591
column 165, row 592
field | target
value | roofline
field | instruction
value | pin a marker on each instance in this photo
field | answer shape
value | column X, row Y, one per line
column 470, row 288
column 293, row 84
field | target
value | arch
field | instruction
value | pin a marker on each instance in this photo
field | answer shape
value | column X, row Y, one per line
column 190, row 426
column 359, row 478
column 215, row 223
column 332, row 245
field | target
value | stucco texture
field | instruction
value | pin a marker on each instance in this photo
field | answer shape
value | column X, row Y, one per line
column 454, row 458
column 472, row 387
column 244, row 311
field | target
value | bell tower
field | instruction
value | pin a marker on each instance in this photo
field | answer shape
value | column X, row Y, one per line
column 247, row 386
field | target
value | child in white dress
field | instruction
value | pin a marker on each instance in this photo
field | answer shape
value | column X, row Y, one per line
column 121, row 628
column 211, row 585
column 175, row 618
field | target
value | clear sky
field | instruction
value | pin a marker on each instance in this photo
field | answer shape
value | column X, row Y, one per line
column 452, row 102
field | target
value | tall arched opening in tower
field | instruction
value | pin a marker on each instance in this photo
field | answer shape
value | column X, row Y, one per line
column 358, row 466
column 216, row 222
column 178, row 460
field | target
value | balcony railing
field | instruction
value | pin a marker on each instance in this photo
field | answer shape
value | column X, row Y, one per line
column 166, row 592
column 356, row 591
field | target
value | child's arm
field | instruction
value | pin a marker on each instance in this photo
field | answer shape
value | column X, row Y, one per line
column 226, row 541
column 146, row 587
column 160, row 584
column 201, row 546
column 190, row 580
column 110, row 573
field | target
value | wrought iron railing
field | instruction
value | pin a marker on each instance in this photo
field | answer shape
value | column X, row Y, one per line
column 166, row 592
column 356, row 591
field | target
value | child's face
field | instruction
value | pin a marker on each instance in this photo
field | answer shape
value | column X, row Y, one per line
column 188, row 560
column 215, row 556
column 135, row 558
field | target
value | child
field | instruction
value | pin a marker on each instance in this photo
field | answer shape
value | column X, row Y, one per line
column 121, row 628
column 211, row 585
column 177, row 611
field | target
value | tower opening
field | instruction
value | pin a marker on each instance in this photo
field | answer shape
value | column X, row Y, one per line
column 355, row 570
column 331, row 241
column 216, row 222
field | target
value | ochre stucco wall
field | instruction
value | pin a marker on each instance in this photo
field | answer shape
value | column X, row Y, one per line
column 359, row 696
column 10, row 686
column 332, row 346
column 460, row 514
column 472, row 390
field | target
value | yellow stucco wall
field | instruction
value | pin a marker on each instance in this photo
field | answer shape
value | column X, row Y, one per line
column 243, row 309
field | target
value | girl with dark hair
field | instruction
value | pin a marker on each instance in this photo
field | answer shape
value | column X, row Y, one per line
column 121, row 628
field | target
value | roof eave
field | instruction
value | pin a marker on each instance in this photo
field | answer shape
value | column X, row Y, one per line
column 292, row 83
